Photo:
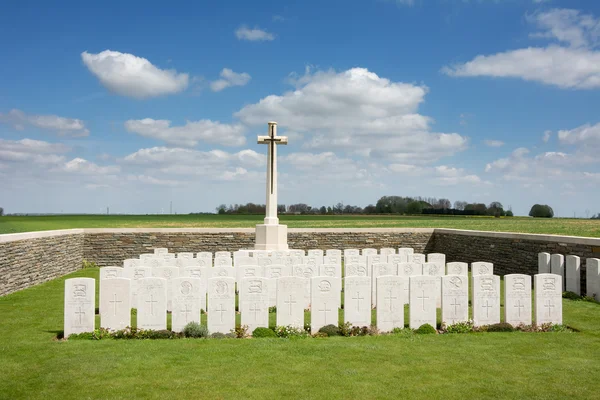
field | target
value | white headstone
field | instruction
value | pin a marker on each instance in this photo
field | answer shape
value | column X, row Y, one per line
column 204, row 254
column 357, row 300
column 457, row 268
column 135, row 274
column 148, row 256
column 221, row 305
column 277, row 271
column 280, row 253
column 455, row 298
column 152, row 303
column 248, row 271
column 573, row 274
column 80, row 298
column 482, row 268
column 241, row 253
column 548, row 298
column 185, row 255
column 368, row 252
column 293, row 260
column 435, row 269
column 543, row 263
column 223, row 272
column 167, row 273
column 517, row 299
column 396, row 259
column 225, row 254
column 332, row 259
column 107, row 273
column 592, row 278
column 325, row 300
column 297, row 253
column 330, row 270
column 201, row 262
column 374, row 259
column 182, row 263
column 243, row 260
column 161, row 250
column 351, row 252
column 406, row 252
column 486, row 300
column 187, row 301
column 386, row 251
column 223, row 262
column 380, row 269
column 355, row 260
column 167, row 256
column 313, row 260
column 390, row 303
column 355, row 270
column 439, row 258
column 254, row 303
column 334, row 253
column 263, row 261
column 115, row 295
column 557, row 265
column 131, row 263
column 201, row 273
column 290, row 301
column 417, row 258
column 315, row 253
column 407, row 270
column 422, row 308
column 306, row 271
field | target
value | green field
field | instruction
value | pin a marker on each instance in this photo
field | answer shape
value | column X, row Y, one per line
column 557, row 226
column 453, row 366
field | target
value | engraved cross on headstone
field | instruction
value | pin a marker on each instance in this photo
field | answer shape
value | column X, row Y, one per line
column 456, row 304
column 390, row 298
column 221, row 310
column 81, row 313
column 325, row 310
column 186, row 311
column 114, row 302
column 487, row 307
column 255, row 309
column 519, row 306
column 358, row 299
column 152, row 301
column 423, row 298
column 290, row 302
column 549, row 306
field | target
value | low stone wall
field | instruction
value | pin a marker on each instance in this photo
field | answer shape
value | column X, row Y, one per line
column 28, row 259
column 111, row 246
column 512, row 253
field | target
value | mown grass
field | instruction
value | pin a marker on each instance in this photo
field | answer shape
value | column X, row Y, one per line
column 557, row 226
column 493, row 365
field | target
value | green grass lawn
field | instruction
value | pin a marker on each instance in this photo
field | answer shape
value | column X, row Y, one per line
column 492, row 365
column 557, row 226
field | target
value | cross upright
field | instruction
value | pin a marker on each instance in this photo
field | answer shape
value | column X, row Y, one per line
column 272, row 140
column 151, row 301
column 114, row 302
column 81, row 313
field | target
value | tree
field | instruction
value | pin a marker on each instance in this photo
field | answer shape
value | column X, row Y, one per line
column 1, row 211
column 597, row 216
column 414, row 207
column 509, row 213
column 442, row 204
column 460, row 205
column 323, row 210
column 477, row 208
column 495, row 209
column 221, row 209
column 541, row 211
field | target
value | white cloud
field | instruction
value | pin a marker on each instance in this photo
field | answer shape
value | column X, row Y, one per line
column 164, row 156
column 567, row 26
column 131, row 76
column 574, row 67
column 32, row 151
column 60, row 125
column 189, row 134
column 359, row 112
column 546, row 136
column 278, row 18
column 494, row 143
column 586, row 135
column 85, row 167
column 255, row 34
column 230, row 78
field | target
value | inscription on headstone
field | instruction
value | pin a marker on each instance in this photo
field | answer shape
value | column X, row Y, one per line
column 221, row 304
column 357, row 300
column 548, row 298
column 80, row 297
column 455, row 298
column 486, row 300
column 422, row 308
column 187, row 301
column 517, row 299
column 152, row 303
column 390, row 304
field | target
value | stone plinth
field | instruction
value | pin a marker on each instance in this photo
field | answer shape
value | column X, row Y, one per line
column 271, row 237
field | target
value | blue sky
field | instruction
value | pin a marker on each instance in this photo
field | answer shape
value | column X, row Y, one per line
column 135, row 105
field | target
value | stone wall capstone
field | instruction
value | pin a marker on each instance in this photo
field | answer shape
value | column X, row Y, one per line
column 28, row 259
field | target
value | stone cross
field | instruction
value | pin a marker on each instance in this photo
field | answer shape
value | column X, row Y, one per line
column 272, row 140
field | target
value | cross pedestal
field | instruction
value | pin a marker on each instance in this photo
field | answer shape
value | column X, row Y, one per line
column 271, row 235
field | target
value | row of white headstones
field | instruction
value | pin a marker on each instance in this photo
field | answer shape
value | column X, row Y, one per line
column 425, row 288
column 569, row 268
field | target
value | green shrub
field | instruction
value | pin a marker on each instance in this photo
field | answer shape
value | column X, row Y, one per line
column 571, row 296
column 330, row 330
column 195, row 330
column 500, row 327
column 345, row 329
column 320, row 335
column 162, row 334
column 290, row 331
column 81, row 336
column 591, row 299
column 459, row 327
column 261, row 332
column 240, row 332
column 403, row 332
column 425, row 329
column 218, row 335
column 101, row 333
column 87, row 264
